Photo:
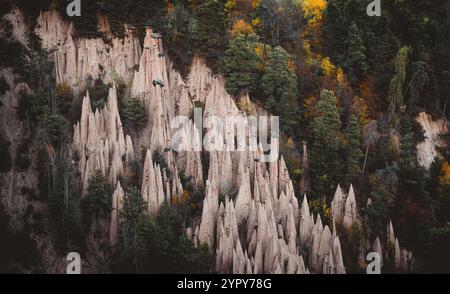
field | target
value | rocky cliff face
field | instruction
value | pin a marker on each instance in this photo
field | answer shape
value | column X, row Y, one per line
column 99, row 141
column 78, row 60
column 251, row 216
column 264, row 229
column 17, row 183
column 433, row 130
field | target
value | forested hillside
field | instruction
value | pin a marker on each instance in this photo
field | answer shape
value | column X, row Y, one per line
column 362, row 102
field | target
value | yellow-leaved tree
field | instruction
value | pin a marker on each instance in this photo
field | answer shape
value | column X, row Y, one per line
column 241, row 27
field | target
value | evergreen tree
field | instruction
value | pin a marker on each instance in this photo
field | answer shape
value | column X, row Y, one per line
column 438, row 186
column 383, row 196
column 395, row 96
column 411, row 173
column 134, row 115
column 210, row 31
column 412, row 196
column 97, row 203
column 353, row 150
column 178, row 37
column 356, row 58
column 240, row 64
column 280, row 87
column 334, row 32
column 339, row 17
column 325, row 161
column 408, row 160
column 156, row 245
column 437, row 235
column 51, row 128
column 132, row 251
column 385, row 153
column 63, row 203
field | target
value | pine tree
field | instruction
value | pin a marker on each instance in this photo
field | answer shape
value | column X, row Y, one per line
column 408, row 159
column 325, row 161
column 132, row 249
column 177, row 35
column 134, row 113
column 411, row 173
column 97, row 203
column 280, row 87
column 210, row 31
column 340, row 16
column 63, row 203
column 334, row 32
column 353, row 151
column 156, row 245
column 396, row 86
column 356, row 58
column 240, row 64
column 379, row 211
column 413, row 198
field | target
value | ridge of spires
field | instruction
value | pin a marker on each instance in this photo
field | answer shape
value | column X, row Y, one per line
column 257, row 232
column 99, row 141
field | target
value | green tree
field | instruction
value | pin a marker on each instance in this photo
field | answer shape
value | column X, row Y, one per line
column 356, row 58
column 379, row 211
column 63, row 203
column 177, row 253
column 97, row 203
column 210, row 31
column 177, row 35
column 51, row 128
column 280, row 87
column 335, row 32
column 408, row 160
column 134, row 115
column 353, row 150
column 437, row 237
column 395, row 95
column 156, row 245
column 339, row 17
column 240, row 64
column 134, row 230
column 325, row 161
column 412, row 195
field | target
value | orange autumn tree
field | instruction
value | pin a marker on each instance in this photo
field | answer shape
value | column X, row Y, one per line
column 444, row 178
column 241, row 27
column 360, row 107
